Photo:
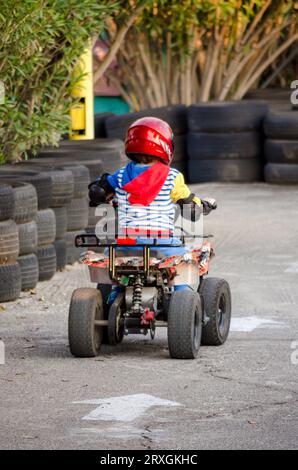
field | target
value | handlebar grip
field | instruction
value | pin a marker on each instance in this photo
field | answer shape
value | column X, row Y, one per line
column 212, row 203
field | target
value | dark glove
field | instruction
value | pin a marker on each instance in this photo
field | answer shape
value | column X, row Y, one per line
column 209, row 205
column 189, row 209
column 100, row 191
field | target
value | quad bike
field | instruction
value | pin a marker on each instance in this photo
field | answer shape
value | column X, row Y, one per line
column 146, row 298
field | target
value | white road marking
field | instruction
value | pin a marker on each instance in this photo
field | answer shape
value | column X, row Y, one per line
column 292, row 268
column 126, row 408
column 247, row 324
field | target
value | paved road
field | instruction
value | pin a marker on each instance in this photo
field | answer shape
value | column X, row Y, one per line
column 242, row 395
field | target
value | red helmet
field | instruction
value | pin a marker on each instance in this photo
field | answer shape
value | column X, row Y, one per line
column 150, row 136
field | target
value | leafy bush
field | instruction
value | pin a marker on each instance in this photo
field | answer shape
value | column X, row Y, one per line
column 182, row 51
column 40, row 44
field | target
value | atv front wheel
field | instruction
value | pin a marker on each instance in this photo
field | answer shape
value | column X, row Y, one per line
column 184, row 324
column 85, row 335
column 217, row 311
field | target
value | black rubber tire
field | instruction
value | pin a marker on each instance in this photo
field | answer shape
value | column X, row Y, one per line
column 47, row 262
column 46, row 226
column 281, row 125
column 200, row 171
column 180, row 149
column 281, row 151
column 28, row 238
column 214, row 291
column 29, row 271
column 97, row 168
column 62, row 181
column 92, row 219
column 269, row 94
column 81, row 177
column 61, row 222
column 77, row 214
column 61, row 254
column 62, row 187
column 78, row 156
column 40, row 180
column 175, row 115
column 105, row 290
column 99, row 124
column 226, row 116
column 7, row 202
column 73, row 253
column 216, row 146
column 184, row 324
column 9, row 242
column 106, row 164
column 88, row 144
column 96, row 162
column 116, row 325
column 85, row 338
column 10, row 282
column 26, row 202
column 281, row 173
column 182, row 167
column 94, row 166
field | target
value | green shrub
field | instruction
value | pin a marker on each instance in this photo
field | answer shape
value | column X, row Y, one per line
column 40, row 44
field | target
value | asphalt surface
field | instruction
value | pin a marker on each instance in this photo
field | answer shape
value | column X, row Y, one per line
column 242, row 395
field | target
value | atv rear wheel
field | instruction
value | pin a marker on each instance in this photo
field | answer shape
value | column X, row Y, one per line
column 184, row 324
column 116, row 322
column 217, row 311
column 85, row 336
column 105, row 290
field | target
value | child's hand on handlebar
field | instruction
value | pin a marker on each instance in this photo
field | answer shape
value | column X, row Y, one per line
column 209, row 204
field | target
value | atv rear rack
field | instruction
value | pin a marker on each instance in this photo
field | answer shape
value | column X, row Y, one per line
column 87, row 240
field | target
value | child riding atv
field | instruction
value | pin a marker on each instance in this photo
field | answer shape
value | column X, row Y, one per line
column 147, row 189
column 169, row 290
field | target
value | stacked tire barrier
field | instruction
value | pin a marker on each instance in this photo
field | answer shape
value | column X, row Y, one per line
column 176, row 116
column 52, row 251
column 70, row 205
column 26, row 206
column 224, row 142
column 10, row 273
column 281, row 147
column 98, row 156
column 77, row 211
column 99, row 124
column 276, row 98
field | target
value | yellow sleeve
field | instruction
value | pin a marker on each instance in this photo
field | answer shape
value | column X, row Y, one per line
column 181, row 190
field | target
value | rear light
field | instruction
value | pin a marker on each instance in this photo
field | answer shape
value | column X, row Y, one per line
column 126, row 241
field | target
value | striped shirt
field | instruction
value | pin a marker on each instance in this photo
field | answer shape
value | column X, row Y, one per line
column 157, row 216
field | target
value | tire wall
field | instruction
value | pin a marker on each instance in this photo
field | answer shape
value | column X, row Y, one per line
column 281, row 146
column 225, row 141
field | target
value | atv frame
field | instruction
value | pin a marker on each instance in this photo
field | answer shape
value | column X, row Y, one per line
column 146, row 298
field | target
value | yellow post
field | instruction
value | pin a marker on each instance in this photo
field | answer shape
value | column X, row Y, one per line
column 82, row 114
